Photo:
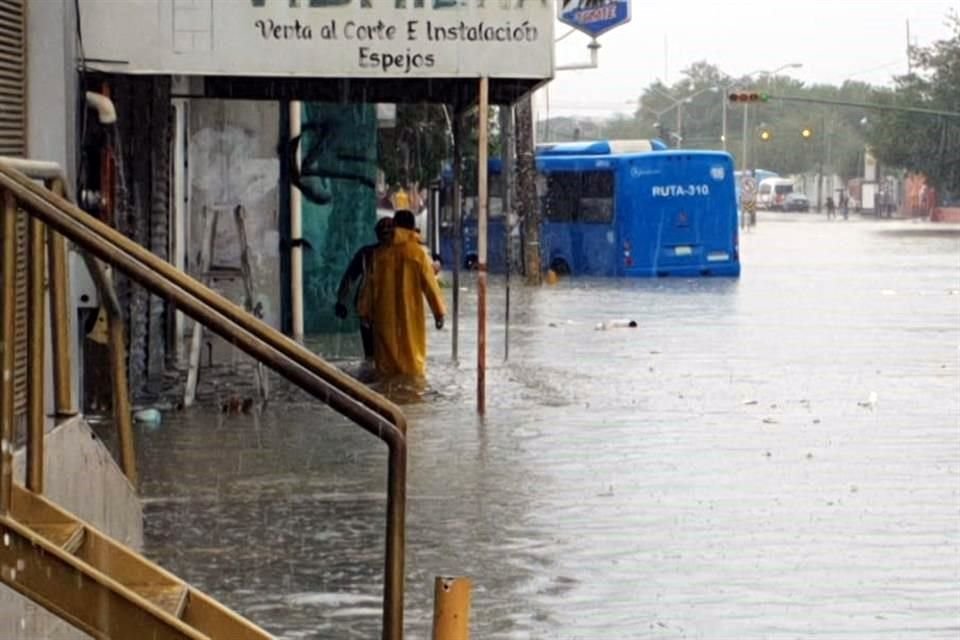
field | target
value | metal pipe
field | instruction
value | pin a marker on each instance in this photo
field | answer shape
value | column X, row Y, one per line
column 8, row 337
column 60, row 216
column 482, row 247
column 122, row 413
column 594, row 48
column 457, row 230
column 296, row 235
column 36, row 343
column 25, row 189
column 106, row 112
column 451, row 608
column 60, row 316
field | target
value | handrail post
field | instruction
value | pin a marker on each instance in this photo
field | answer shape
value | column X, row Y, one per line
column 59, row 315
column 36, row 343
column 117, row 348
column 395, row 558
column 8, row 328
column 122, row 413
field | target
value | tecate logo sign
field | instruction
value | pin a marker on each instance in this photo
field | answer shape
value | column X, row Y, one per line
column 594, row 17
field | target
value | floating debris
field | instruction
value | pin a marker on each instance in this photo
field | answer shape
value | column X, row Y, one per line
column 148, row 416
column 870, row 402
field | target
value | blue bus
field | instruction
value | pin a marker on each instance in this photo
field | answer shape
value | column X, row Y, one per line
column 628, row 208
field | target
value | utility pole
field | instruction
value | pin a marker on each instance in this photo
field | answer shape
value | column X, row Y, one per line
column 527, row 205
column 746, row 135
column 680, row 125
column 723, row 125
column 823, row 143
column 829, row 159
column 507, row 151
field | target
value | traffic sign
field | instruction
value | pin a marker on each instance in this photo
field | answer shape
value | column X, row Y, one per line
column 594, row 17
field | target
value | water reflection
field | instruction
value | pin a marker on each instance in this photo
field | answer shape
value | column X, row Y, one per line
column 715, row 472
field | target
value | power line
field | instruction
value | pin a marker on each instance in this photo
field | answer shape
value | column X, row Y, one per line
column 867, row 105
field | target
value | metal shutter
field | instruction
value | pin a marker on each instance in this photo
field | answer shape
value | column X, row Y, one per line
column 13, row 121
column 13, row 136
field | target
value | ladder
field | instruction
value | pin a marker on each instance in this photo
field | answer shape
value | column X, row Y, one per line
column 208, row 269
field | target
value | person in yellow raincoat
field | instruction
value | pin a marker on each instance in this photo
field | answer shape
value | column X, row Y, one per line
column 392, row 301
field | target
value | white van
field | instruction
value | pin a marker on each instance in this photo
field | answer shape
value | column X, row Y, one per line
column 772, row 192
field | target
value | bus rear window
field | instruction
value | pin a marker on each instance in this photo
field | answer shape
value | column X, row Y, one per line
column 783, row 189
column 563, row 189
column 585, row 196
column 596, row 197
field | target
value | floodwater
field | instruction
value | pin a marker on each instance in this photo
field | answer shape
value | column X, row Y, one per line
column 771, row 457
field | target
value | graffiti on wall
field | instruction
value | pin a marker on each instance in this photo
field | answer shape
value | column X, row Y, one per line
column 337, row 176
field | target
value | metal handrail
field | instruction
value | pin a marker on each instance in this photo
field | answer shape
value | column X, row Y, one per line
column 268, row 334
column 370, row 411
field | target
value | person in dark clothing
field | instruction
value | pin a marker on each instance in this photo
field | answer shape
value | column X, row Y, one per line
column 356, row 273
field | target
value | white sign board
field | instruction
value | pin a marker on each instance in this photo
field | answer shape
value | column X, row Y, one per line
column 389, row 39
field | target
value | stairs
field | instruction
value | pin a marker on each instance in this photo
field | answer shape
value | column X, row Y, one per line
column 101, row 586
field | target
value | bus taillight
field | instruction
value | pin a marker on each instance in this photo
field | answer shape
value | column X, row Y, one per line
column 627, row 255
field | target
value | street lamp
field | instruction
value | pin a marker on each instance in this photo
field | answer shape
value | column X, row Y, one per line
column 678, row 104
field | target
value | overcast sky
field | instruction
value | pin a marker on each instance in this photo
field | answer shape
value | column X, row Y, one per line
column 835, row 40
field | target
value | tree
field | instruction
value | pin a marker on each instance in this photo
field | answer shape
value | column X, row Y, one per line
column 413, row 151
column 923, row 143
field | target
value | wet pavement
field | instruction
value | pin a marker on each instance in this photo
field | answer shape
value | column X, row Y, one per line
column 771, row 457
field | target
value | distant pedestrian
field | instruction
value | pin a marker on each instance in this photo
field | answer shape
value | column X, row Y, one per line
column 831, row 208
column 845, row 205
column 356, row 274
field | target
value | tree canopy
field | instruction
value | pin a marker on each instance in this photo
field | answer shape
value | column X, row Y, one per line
column 924, row 143
column 691, row 112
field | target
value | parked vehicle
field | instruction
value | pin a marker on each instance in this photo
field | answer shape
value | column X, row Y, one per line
column 796, row 202
column 772, row 193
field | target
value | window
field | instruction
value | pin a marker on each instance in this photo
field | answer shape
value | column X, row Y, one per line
column 579, row 196
column 563, row 189
column 784, row 188
column 596, row 197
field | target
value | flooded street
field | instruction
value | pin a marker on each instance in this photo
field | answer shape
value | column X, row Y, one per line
column 771, row 457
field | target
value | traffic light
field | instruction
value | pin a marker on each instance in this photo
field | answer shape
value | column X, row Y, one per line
column 806, row 133
column 748, row 97
column 766, row 135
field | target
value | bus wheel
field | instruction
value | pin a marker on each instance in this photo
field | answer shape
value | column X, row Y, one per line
column 560, row 267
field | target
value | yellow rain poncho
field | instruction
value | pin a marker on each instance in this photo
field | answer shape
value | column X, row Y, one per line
column 392, row 301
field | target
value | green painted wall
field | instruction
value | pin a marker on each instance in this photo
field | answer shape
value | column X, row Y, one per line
column 339, row 163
